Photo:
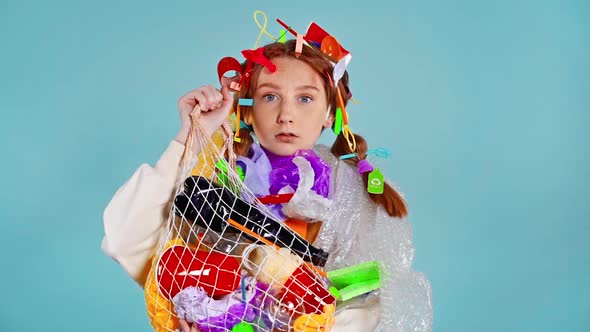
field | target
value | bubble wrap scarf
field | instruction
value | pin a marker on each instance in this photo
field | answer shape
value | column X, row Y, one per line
column 358, row 230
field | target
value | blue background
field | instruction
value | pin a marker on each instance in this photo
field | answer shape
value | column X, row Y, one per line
column 484, row 106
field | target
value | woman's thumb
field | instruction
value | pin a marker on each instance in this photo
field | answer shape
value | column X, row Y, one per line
column 228, row 97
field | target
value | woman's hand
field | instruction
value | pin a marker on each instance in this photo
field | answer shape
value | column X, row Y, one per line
column 215, row 106
column 186, row 327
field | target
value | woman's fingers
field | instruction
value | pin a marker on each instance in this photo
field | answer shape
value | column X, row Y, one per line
column 187, row 327
column 184, row 326
column 215, row 106
column 187, row 102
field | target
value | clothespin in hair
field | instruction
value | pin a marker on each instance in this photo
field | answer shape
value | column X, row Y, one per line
column 299, row 45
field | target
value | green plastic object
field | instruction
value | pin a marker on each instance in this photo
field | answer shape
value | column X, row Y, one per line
column 240, row 172
column 334, row 291
column 353, row 274
column 338, row 121
column 222, row 175
column 355, row 280
column 283, row 37
column 357, row 289
column 222, row 165
column 376, row 182
column 242, row 327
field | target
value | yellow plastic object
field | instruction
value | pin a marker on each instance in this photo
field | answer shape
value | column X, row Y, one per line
column 207, row 158
column 262, row 27
column 159, row 309
column 316, row 322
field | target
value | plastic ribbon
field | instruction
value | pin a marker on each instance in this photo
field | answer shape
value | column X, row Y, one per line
column 378, row 152
column 349, row 136
column 262, row 27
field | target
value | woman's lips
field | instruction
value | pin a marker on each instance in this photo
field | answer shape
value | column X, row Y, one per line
column 286, row 137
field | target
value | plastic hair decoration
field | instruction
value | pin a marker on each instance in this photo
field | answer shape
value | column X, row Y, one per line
column 257, row 56
column 364, row 166
column 283, row 36
column 238, row 121
column 299, row 45
column 226, row 65
column 330, row 46
column 378, row 152
column 262, row 27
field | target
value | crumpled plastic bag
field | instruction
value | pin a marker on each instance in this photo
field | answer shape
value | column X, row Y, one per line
column 305, row 204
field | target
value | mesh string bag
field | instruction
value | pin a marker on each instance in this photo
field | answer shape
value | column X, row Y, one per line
column 224, row 262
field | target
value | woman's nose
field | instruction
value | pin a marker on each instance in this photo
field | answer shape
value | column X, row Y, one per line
column 286, row 113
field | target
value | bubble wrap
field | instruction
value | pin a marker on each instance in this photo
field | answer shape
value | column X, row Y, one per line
column 357, row 231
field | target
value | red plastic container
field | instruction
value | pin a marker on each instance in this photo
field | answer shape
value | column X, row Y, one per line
column 180, row 267
column 303, row 288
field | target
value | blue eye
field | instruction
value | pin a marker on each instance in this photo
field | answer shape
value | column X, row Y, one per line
column 305, row 99
column 269, row 97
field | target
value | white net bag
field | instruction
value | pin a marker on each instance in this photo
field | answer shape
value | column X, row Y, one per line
column 224, row 262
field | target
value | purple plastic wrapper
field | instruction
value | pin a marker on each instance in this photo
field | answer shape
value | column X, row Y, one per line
column 285, row 173
column 267, row 173
column 195, row 306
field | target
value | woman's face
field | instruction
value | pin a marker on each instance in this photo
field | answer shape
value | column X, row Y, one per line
column 290, row 107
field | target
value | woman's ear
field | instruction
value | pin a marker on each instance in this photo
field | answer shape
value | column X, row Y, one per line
column 329, row 118
column 248, row 118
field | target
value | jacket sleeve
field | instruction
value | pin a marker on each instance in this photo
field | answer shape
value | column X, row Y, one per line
column 136, row 214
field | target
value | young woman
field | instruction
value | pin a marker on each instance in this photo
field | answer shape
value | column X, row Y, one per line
column 294, row 98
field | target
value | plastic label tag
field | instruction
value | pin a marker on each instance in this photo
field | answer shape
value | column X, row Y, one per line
column 376, row 183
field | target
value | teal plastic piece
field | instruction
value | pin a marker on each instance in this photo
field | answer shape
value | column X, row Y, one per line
column 245, row 102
